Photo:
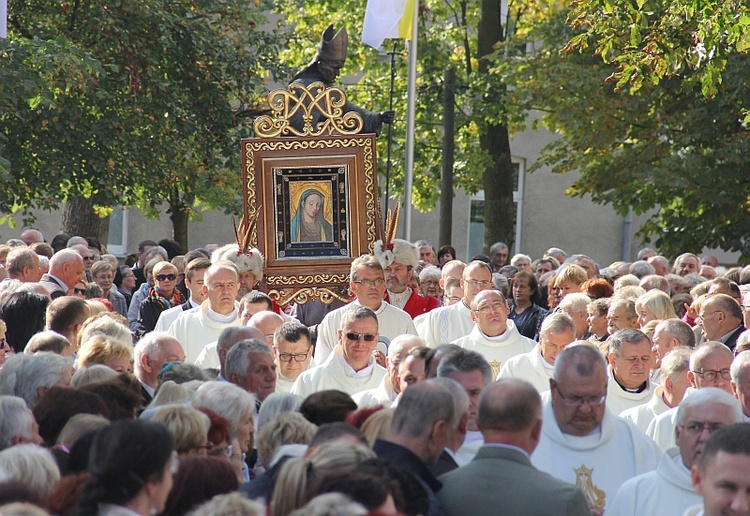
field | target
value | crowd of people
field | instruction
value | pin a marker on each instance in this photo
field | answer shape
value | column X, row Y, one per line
column 170, row 384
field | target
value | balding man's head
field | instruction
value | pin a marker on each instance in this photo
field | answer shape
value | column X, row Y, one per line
column 709, row 366
column 510, row 412
column 720, row 314
column 397, row 351
column 231, row 336
column 266, row 322
column 152, row 352
column 422, row 419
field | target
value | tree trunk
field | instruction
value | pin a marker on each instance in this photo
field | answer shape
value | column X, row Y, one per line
column 499, row 210
column 79, row 219
column 446, row 181
column 180, row 217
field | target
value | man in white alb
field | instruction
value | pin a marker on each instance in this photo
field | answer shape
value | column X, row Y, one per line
column 557, row 331
column 292, row 352
column 368, row 284
column 668, row 489
column 494, row 336
column 449, row 323
column 351, row 367
column 197, row 329
column 709, row 367
column 385, row 393
column 673, row 384
column 582, row 442
column 629, row 358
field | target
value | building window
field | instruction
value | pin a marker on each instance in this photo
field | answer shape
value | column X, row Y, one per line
column 476, row 214
column 117, row 242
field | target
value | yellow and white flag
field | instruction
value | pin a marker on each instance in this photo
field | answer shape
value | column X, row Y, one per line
column 387, row 19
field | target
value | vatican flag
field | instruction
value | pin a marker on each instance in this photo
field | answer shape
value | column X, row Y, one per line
column 387, row 19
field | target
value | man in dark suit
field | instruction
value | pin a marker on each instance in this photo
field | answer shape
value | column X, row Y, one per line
column 151, row 353
column 501, row 480
column 721, row 319
column 419, row 433
column 65, row 270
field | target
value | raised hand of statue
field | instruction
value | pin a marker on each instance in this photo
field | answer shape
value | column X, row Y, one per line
column 387, row 116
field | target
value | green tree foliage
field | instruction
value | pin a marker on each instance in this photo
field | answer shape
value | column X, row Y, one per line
column 447, row 36
column 650, row 40
column 35, row 74
column 180, row 80
column 663, row 148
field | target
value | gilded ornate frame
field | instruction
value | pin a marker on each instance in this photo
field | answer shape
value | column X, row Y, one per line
column 272, row 165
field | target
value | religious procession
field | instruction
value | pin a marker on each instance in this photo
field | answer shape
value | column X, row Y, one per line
column 327, row 363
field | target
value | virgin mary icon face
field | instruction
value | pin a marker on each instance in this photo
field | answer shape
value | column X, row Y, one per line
column 312, row 205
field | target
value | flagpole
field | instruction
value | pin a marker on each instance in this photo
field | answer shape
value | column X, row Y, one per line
column 410, row 110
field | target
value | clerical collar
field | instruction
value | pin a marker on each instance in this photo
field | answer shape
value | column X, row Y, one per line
column 349, row 370
column 193, row 303
column 221, row 318
column 399, row 300
column 497, row 338
column 640, row 389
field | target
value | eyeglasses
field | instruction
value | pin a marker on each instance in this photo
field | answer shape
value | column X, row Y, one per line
column 81, row 291
column 430, row 282
column 577, row 401
column 711, row 374
column 695, row 428
column 88, row 258
column 166, row 277
column 370, row 283
column 298, row 357
column 367, row 337
column 452, row 299
column 476, row 283
column 491, row 308
column 242, row 456
column 704, row 315
column 218, row 452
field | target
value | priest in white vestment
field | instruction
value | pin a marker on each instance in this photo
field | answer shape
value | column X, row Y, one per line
column 351, row 367
column 385, row 393
column 557, row 331
column 669, row 489
column 629, row 358
column 450, row 323
column 368, row 284
column 292, row 352
column 673, row 383
column 582, row 442
column 494, row 336
column 709, row 367
column 196, row 329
